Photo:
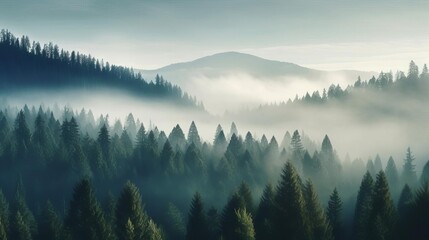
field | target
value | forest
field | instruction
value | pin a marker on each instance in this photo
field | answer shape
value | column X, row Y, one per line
column 67, row 175
column 26, row 65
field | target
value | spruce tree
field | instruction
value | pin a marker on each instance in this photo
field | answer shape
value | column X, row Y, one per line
column 197, row 224
column 19, row 229
column 383, row 211
column 418, row 218
column 193, row 136
column 290, row 207
column 22, row 136
column 265, row 214
column 316, row 218
column 229, row 218
column 175, row 225
column 85, row 218
column 246, row 194
column 50, row 225
column 409, row 173
column 392, row 173
column 424, row 178
column 334, row 212
column 244, row 229
column 129, row 208
column 363, row 208
column 4, row 212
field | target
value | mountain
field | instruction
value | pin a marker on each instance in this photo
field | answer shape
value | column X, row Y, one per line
column 26, row 67
column 244, row 80
column 234, row 62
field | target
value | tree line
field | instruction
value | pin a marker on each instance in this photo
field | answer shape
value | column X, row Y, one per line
column 29, row 65
column 139, row 183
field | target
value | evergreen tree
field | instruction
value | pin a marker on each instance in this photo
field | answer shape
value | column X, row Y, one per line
column 167, row 159
column 85, row 218
column 363, row 208
column 392, row 172
column 213, row 220
column 129, row 208
column 334, row 212
column 244, row 229
column 404, row 200
column 193, row 161
column 19, row 228
column 175, row 226
column 378, row 166
column 104, row 142
column 383, row 212
column 154, row 233
column 265, row 214
column 22, row 136
column 197, row 224
column 3, row 231
column 316, row 218
column 290, row 207
column 177, row 138
column 229, row 218
column 246, row 194
column 4, row 214
column 424, row 178
column 409, row 173
column 50, row 225
column 220, row 144
column 416, row 221
column 193, row 136
column 297, row 147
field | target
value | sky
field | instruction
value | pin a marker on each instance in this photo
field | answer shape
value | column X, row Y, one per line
column 147, row 34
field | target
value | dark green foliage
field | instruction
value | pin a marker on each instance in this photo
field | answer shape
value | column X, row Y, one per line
column 383, row 212
column 320, row 227
column 229, row 217
column 19, row 228
column 85, row 218
column 193, row 136
column 391, row 171
column 363, row 208
column 290, row 211
column 50, row 225
column 416, row 221
column 265, row 214
column 424, row 178
column 22, row 136
column 197, row 227
column 129, row 208
column 4, row 214
column 246, row 194
column 404, row 200
column 244, row 229
column 409, row 173
column 213, row 222
column 175, row 226
column 334, row 213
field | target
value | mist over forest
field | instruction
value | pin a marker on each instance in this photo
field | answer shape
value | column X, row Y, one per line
column 90, row 150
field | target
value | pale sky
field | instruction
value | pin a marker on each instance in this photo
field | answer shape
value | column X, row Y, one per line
column 327, row 34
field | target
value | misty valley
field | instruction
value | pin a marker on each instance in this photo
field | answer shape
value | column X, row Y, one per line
column 90, row 150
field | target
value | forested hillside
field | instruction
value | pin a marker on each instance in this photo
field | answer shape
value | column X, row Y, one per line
column 26, row 66
column 65, row 175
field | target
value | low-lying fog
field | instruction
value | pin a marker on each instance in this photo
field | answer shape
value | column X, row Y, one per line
column 386, row 127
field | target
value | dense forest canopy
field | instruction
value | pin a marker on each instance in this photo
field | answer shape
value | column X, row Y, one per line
column 26, row 65
column 126, row 181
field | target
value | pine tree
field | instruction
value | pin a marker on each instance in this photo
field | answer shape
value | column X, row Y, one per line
column 409, row 174
column 22, row 136
column 417, row 220
column 167, row 159
column 220, row 144
column 363, row 208
column 4, row 213
column 193, row 136
column 20, row 206
column 265, row 214
column 104, row 142
column 297, row 148
column 378, row 166
column 316, row 218
column 229, row 219
column 154, row 233
column 193, row 161
column 129, row 231
column 383, row 211
column 129, row 208
column 175, row 226
column 3, row 230
column 244, row 229
column 334, row 212
column 392, row 172
column 85, row 218
column 290, row 207
column 246, row 194
column 404, row 201
column 197, row 224
column 50, row 225
column 424, row 178
column 213, row 221
column 19, row 228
